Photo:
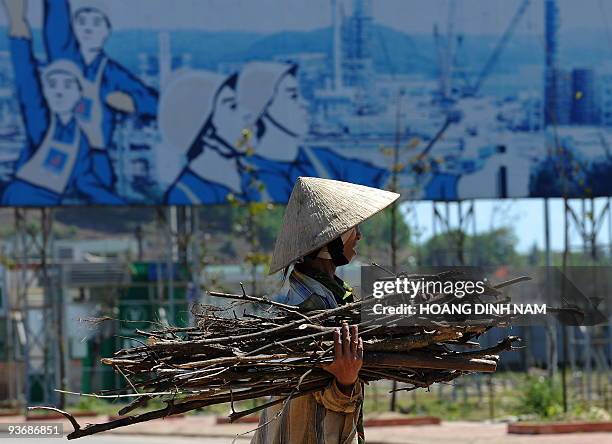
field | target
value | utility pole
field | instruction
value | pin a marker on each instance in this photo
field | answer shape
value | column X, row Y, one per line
column 563, row 297
column 551, row 326
column 394, row 207
column 252, row 238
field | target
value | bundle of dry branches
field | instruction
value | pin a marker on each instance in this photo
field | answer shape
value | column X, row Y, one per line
column 226, row 357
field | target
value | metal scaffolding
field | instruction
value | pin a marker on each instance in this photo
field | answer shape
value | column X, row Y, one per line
column 589, row 345
column 38, row 316
column 442, row 224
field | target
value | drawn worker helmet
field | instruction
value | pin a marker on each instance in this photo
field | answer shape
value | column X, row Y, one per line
column 62, row 65
column 186, row 104
column 257, row 84
column 102, row 6
column 319, row 211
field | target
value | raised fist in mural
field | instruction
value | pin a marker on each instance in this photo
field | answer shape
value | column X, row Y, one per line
column 16, row 13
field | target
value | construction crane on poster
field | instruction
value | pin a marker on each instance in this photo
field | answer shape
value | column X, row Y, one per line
column 448, row 47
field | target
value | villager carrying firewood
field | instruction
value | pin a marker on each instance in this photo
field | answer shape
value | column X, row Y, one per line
column 306, row 352
column 320, row 232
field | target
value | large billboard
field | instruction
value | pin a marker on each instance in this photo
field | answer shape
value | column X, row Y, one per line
column 195, row 102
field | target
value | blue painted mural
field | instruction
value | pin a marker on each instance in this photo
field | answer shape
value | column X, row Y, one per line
column 149, row 102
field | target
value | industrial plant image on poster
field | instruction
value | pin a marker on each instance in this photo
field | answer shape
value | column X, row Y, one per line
column 195, row 102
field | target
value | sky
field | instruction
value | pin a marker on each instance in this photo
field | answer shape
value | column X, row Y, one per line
column 412, row 16
column 524, row 216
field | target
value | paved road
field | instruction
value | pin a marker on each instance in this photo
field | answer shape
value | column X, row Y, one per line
column 394, row 437
column 114, row 439
column 202, row 430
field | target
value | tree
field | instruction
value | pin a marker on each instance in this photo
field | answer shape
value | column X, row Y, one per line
column 495, row 247
column 375, row 244
column 534, row 256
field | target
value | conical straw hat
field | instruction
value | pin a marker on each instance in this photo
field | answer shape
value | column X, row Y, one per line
column 320, row 210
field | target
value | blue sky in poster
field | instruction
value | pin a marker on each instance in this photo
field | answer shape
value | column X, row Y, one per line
column 474, row 16
column 219, row 34
column 585, row 31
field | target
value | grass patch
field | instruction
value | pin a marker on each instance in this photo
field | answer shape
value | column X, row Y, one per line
column 505, row 396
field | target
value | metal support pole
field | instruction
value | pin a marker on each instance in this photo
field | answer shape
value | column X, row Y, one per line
column 586, row 331
column 183, row 234
column 252, row 238
column 460, row 236
column 547, row 252
column 609, row 329
column 21, row 257
column 448, row 231
column 170, row 219
column 138, row 233
column 394, row 187
column 158, row 265
column 434, row 231
column 475, row 259
column 551, row 323
column 195, row 261
column 610, row 227
column 564, row 328
column 11, row 354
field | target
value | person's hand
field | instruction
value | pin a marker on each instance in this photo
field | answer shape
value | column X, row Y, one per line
column 16, row 13
column 348, row 357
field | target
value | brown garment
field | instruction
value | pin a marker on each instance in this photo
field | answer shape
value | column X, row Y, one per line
column 325, row 417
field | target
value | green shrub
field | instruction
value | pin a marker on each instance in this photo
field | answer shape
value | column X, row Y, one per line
column 541, row 397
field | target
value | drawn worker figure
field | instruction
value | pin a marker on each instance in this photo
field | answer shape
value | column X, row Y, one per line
column 199, row 116
column 109, row 88
column 320, row 232
column 270, row 92
column 57, row 159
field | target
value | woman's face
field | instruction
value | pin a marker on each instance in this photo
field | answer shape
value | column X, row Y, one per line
column 288, row 107
column 229, row 119
column 350, row 244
